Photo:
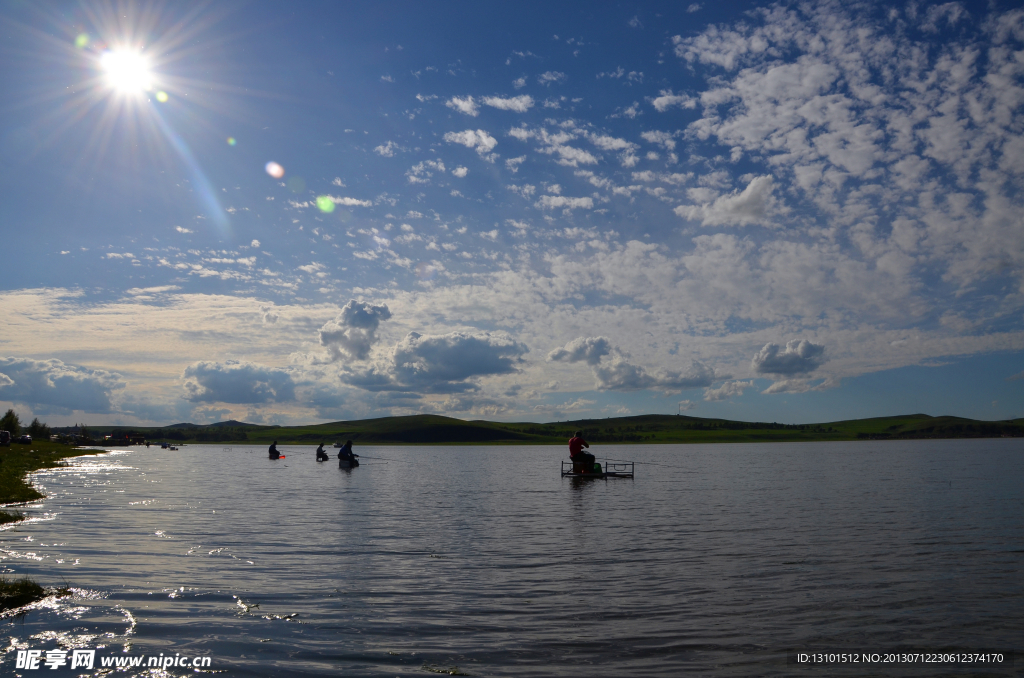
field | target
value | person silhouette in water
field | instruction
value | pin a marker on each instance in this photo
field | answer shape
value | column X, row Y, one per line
column 274, row 454
column 345, row 455
column 584, row 460
column 321, row 454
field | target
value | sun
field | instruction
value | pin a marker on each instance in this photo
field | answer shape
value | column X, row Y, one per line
column 127, row 71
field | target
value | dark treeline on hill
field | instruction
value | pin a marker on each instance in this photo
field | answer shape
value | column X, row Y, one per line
column 652, row 428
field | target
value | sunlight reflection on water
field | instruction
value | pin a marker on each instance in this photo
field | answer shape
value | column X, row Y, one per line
column 719, row 561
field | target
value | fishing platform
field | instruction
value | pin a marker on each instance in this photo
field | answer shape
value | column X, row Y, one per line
column 610, row 469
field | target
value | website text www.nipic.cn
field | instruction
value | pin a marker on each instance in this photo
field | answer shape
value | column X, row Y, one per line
column 87, row 659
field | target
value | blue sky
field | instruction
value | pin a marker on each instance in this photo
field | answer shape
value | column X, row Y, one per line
column 322, row 211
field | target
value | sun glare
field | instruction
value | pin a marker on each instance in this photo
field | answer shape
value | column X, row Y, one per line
column 127, row 71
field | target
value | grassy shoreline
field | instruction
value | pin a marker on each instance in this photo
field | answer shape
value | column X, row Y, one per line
column 16, row 462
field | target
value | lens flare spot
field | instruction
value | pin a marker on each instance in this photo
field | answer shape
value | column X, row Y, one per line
column 162, row 97
column 274, row 170
column 82, row 41
column 325, row 204
column 232, row 141
column 296, row 184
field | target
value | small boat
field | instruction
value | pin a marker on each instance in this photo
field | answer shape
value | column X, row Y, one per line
column 348, row 463
column 623, row 469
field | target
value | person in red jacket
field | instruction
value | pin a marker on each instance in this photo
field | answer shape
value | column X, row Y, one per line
column 578, row 456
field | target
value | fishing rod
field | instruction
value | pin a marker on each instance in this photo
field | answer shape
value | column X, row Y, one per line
column 649, row 463
column 403, row 461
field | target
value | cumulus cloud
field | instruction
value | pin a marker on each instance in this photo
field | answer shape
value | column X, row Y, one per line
column 753, row 205
column 464, row 105
column 800, row 386
column 354, row 332
column 443, row 363
column 609, row 143
column 667, row 100
column 237, row 382
column 549, row 202
column 349, row 202
column 513, row 163
column 663, row 139
column 798, row 357
column 519, row 104
column 421, row 172
column 270, row 316
column 387, row 150
column 589, row 349
column 550, row 77
column 479, row 140
column 903, row 137
column 52, row 386
column 727, row 390
column 570, row 156
column 619, row 374
column 460, row 172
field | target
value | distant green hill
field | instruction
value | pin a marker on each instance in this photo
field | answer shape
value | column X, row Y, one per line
column 432, row 429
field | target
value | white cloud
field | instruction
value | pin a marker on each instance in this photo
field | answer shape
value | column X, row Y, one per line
column 630, row 111
column 800, row 386
column 589, row 349
column 519, row 104
column 525, row 190
column 53, row 386
column 570, row 156
column 799, row 356
column 421, row 172
column 666, row 100
column 387, row 150
column 269, row 315
column 551, row 76
column 619, row 374
column 349, row 202
column 460, row 172
column 441, row 363
column 560, row 201
column 478, row 140
column 519, row 83
column 237, row 382
column 181, row 229
column 664, row 139
column 464, row 105
column 513, row 163
column 727, row 390
column 354, row 331
column 609, row 143
column 754, row 205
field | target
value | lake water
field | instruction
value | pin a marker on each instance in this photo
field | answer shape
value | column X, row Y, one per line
column 721, row 560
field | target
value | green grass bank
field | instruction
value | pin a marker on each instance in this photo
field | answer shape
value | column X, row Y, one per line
column 429, row 429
